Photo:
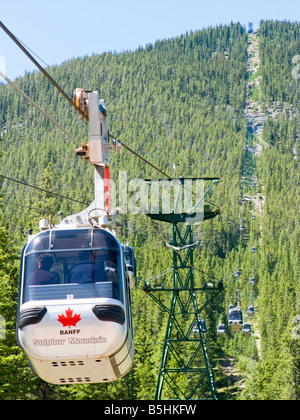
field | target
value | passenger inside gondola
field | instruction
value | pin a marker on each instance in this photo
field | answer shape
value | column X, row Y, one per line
column 86, row 271
column 83, row 264
column 236, row 315
column 111, row 271
column 90, row 273
column 43, row 275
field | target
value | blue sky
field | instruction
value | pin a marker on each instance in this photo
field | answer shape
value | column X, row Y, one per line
column 58, row 30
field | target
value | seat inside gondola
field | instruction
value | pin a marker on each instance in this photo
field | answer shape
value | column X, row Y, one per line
column 81, row 264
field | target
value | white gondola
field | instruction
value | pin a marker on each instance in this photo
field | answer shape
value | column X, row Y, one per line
column 235, row 320
column 196, row 332
column 74, row 317
column 250, row 311
column 246, row 330
column 253, row 250
column 221, row 331
column 252, row 280
column 74, row 312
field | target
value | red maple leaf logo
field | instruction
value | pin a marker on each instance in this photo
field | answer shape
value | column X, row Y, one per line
column 69, row 320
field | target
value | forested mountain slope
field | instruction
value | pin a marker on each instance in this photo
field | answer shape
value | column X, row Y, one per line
column 278, row 172
column 180, row 100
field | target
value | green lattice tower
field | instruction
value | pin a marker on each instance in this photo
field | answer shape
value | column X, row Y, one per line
column 185, row 372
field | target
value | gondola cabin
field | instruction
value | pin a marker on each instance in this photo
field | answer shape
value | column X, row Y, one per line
column 74, row 312
column 250, row 311
column 246, row 330
column 221, row 331
column 196, row 332
column 235, row 320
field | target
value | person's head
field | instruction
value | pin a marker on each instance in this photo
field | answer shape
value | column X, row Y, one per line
column 45, row 261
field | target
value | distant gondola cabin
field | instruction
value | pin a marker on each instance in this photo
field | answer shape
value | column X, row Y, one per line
column 235, row 320
column 196, row 332
column 246, row 330
column 250, row 311
column 221, row 331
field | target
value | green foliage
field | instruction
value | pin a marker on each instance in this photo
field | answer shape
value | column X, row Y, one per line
column 179, row 100
column 279, row 43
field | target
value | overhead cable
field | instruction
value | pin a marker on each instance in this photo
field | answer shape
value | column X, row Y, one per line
column 42, row 189
column 38, row 107
column 21, row 46
column 9, row 203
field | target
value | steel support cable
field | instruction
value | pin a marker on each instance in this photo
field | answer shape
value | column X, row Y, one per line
column 9, row 203
column 253, row 243
column 140, row 157
column 38, row 107
column 72, row 138
column 26, row 46
column 157, row 276
column 241, row 227
column 21, row 46
column 160, row 171
column 42, row 189
column 252, row 271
